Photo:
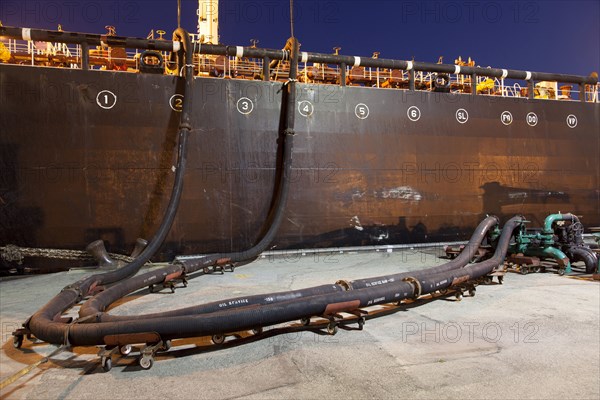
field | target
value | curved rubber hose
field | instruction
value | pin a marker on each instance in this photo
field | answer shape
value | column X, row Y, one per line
column 257, row 316
column 71, row 294
column 460, row 261
column 102, row 301
column 238, row 302
column 188, row 266
column 68, row 297
column 586, row 255
column 276, row 217
column 169, row 216
column 448, row 279
column 552, row 218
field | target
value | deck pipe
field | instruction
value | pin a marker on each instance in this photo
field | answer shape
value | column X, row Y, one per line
column 73, row 293
column 46, row 329
column 576, row 252
column 102, row 301
column 89, row 39
column 274, row 54
column 552, row 218
column 336, row 59
column 551, row 252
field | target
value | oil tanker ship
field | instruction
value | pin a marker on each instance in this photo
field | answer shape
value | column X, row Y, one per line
column 386, row 151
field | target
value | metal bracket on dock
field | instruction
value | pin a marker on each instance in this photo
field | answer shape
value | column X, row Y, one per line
column 171, row 284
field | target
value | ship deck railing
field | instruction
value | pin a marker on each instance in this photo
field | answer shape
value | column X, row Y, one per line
column 272, row 65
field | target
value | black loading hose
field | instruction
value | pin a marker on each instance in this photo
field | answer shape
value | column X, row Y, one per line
column 195, row 263
column 62, row 302
column 276, row 216
column 460, row 261
column 73, row 293
column 448, row 279
column 256, row 316
column 189, row 266
column 99, row 303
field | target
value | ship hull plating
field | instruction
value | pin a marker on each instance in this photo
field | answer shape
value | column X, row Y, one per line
column 88, row 155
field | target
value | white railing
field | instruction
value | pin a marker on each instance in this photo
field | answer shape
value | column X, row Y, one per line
column 594, row 94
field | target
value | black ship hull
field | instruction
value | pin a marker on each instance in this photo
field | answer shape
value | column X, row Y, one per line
column 75, row 167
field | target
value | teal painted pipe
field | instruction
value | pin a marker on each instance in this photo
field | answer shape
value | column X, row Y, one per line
column 552, row 218
column 551, row 252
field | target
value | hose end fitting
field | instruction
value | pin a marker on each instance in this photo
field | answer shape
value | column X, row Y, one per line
column 346, row 285
column 418, row 289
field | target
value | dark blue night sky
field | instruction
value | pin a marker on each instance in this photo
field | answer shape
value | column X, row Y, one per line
column 547, row 36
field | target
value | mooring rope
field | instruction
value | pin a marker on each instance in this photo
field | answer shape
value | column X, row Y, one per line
column 15, row 377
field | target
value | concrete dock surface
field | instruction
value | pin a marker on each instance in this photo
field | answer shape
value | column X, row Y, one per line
column 536, row 336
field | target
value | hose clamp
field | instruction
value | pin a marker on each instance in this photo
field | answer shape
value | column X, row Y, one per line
column 95, row 316
column 67, row 332
column 290, row 80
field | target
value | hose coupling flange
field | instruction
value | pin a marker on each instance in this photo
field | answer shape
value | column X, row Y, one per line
column 416, row 284
column 345, row 284
column 75, row 289
column 186, row 126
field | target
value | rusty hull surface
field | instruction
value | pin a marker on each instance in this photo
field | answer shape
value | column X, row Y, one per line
column 73, row 172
